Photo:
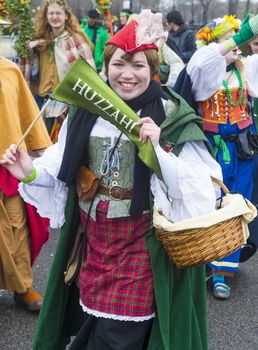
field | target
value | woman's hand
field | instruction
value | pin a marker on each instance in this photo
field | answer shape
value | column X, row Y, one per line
column 18, row 162
column 248, row 30
column 33, row 43
column 149, row 130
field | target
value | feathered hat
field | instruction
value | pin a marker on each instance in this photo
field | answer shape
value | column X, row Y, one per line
column 140, row 34
column 216, row 29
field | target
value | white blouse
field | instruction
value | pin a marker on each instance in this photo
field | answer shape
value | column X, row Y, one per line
column 187, row 190
column 207, row 69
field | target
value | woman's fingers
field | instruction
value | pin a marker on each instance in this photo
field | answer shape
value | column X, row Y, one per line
column 145, row 120
column 7, row 161
column 2, row 162
column 10, row 155
column 13, row 148
column 149, row 129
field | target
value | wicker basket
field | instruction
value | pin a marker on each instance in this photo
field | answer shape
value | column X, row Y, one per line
column 202, row 245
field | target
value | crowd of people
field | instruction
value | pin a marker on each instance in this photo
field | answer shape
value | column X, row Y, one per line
column 127, row 294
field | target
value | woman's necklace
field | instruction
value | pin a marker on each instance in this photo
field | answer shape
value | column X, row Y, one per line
column 241, row 97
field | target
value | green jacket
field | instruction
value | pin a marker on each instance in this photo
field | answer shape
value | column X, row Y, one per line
column 98, row 36
column 181, row 322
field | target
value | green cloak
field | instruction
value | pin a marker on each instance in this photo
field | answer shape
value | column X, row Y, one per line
column 181, row 322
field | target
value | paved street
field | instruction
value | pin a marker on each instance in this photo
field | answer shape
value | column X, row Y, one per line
column 233, row 324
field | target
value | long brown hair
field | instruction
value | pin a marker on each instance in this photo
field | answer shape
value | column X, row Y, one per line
column 43, row 29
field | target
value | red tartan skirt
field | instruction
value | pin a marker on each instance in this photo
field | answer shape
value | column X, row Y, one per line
column 116, row 277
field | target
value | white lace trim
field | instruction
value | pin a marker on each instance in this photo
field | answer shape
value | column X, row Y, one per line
column 116, row 317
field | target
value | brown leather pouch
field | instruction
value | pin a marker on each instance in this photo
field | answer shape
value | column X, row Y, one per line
column 87, row 184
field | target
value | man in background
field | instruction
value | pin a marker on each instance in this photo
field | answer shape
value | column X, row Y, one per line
column 123, row 17
column 181, row 38
column 97, row 34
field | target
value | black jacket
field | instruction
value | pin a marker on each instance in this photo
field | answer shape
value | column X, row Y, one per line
column 184, row 40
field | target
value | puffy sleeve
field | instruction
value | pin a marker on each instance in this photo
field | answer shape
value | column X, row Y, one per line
column 47, row 193
column 251, row 66
column 175, row 63
column 187, row 189
column 207, row 69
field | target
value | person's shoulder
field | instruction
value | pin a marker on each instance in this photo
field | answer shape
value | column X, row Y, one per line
column 170, row 100
column 186, row 29
column 170, row 95
column 190, row 31
column 6, row 62
column 79, row 38
column 170, row 106
column 171, row 34
column 101, row 29
column 86, row 27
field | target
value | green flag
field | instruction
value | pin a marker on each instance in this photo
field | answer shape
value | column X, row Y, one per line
column 83, row 87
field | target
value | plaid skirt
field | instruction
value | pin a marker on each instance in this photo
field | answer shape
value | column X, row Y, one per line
column 116, row 276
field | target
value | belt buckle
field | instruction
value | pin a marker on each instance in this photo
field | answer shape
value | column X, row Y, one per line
column 110, row 192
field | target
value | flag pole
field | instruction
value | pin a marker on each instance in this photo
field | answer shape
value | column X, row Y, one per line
column 33, row 123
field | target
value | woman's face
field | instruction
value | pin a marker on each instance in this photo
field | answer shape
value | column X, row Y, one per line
column 56, row 17
column 254, row 45
column 231, row 56
column 128, row 79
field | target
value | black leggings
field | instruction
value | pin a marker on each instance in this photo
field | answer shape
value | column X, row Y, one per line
column 105, row 334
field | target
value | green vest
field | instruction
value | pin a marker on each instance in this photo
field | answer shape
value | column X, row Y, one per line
column 121, row 175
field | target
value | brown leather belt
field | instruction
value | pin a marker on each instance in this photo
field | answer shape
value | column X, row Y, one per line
column 116, row 192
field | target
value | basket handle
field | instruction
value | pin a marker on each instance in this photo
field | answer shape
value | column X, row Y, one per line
column 221, row 184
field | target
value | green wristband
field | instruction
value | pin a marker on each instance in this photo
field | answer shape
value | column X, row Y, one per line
column 31, row 177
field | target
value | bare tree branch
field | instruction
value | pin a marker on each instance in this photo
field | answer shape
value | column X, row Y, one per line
column 205, row 8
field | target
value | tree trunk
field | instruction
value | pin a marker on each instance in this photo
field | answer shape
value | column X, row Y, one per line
column 247, row 6
column 205, row 9
column 205, row 13
column 233, row 7
column 192, row 10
